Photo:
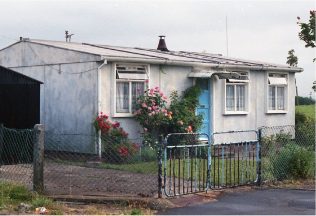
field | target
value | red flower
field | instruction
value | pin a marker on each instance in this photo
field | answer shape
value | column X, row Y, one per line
column 123, row 151
column 116, row 125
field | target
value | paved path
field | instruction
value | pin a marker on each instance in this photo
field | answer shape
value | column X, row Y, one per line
column 262, row 202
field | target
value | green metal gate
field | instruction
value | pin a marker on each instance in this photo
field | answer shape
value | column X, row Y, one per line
column 194, row 163
column 186, row 164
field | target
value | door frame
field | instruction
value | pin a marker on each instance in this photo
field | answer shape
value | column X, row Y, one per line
column 211, row 96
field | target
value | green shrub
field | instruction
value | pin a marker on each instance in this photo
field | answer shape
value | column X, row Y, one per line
column 274, row 143
column 183, row 108
column 292, row 162
column 305, row 130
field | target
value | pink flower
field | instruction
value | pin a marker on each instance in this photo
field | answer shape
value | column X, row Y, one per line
column 149, row 108
column 189, row 129
column 145, row 129
column 144, row 105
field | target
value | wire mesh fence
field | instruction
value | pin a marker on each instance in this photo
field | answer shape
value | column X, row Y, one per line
column 113, row 165
column 288, row 152
column 16, row 150
column 123, row 167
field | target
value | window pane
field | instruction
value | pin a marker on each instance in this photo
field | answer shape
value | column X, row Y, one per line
column 240, row 98
column 271, row 97
column 122, row 97
column 280, row 98
column 138, row 89
column 230, row 102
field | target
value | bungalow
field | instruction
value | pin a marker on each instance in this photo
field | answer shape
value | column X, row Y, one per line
column 83, row 79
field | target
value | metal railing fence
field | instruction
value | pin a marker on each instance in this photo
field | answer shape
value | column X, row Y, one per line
column 186, row 163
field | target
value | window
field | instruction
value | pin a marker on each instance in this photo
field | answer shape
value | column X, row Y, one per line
column 277, row 92
column 130, row 84
column 236, row 94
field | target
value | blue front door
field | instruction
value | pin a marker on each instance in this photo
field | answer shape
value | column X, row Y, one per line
column 204, row 105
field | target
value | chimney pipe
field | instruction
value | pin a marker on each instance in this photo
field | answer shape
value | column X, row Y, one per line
column 162, row 44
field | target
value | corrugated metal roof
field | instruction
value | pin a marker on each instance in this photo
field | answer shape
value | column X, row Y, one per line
column 148, row 54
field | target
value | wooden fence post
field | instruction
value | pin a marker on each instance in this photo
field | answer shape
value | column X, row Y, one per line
column 38, row 158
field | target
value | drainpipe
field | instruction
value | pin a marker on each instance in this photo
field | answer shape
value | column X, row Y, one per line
column 99, row 107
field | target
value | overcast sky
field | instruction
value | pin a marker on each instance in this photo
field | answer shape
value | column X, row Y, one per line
column 257, row 30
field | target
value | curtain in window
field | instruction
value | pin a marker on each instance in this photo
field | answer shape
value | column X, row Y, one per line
column 280, row 98
column 240, row 98
column 230, row 102
column 122, row 95
column 271, row 97
column 137, row 90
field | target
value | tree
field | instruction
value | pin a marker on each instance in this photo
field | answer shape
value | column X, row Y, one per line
column 292, row 60
column 307, row 33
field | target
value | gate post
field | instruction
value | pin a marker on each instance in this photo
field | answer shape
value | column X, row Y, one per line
column 159, row 157
column 38, row 158
column 259, row 157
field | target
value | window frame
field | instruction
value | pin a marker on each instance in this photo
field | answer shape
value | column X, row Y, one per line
column 247, row 94
column 130, row 81
column 286, row 93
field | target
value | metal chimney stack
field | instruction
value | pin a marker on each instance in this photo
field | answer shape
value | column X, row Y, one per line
column 162, row 44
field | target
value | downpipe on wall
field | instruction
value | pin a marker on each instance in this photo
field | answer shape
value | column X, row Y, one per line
column 99, row 144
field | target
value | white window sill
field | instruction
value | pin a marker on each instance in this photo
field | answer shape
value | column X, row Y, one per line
column 236, row 113
column 122, row 115
column 276, row 112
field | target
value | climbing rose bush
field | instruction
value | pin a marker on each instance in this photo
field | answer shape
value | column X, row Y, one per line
column 116, row 146
column 152, row 113
column 151, row 110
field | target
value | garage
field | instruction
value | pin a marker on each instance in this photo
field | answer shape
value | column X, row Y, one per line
column 19, row 100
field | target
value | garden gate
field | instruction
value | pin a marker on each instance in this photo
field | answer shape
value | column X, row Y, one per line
column 186, row 167
column 194, row 163
column 235, row 159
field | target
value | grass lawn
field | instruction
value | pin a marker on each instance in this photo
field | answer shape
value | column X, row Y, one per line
column 308, row 110
column 12, row 195
column 137, row 167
